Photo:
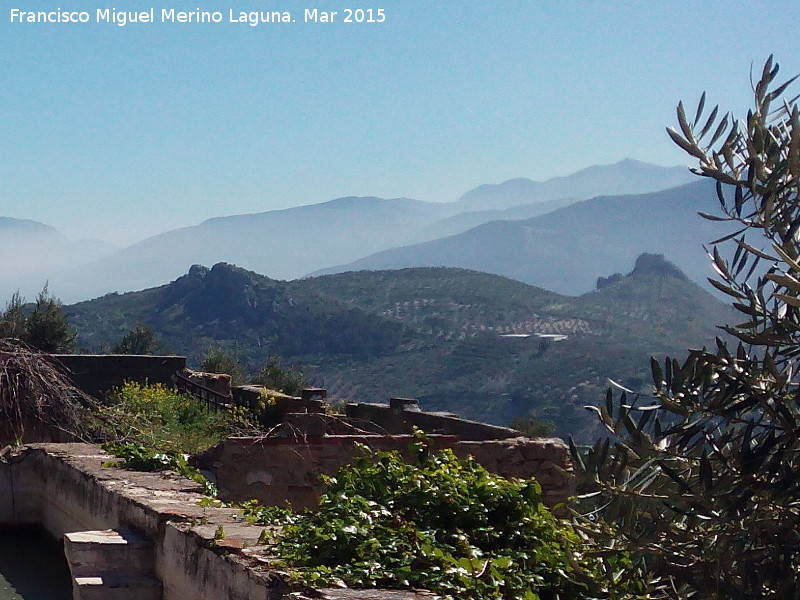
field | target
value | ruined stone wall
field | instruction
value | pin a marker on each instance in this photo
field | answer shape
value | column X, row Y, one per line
column 68, row 488
column 274, row 470
column 399, row 421
column 545, row 459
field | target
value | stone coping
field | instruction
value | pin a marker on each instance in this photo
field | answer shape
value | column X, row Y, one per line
column 164, row 501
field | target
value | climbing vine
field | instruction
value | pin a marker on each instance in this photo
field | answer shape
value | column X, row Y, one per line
column 442, row 524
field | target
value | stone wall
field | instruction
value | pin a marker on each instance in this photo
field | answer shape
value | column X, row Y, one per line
column 96, row 374
column 68, row 488
column 401, row 420
column 219, row 383
column 274, row 470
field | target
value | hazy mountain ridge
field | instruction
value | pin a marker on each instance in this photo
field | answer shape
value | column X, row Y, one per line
column 23, row 227
column 628, row 176
column 289, row 243
column 284, row 243
column 467, row 220
column 34, row 251
column 564, row 250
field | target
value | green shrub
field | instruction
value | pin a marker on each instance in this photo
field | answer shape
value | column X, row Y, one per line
column 159, row 418
column 44, row 327
column 442, row 524
column 141, row 339
column 275, row 377
column 219, row 360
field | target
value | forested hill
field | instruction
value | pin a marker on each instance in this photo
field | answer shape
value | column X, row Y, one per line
column 480, row 345
column 230, row 307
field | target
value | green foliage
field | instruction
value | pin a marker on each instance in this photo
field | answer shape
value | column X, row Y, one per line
column 258, row 514
column 45, row 327
column 48, row 328
column 13, row 319
column 140, row 458
column 158, row 418
column 531, row 426
column 699, row 480
column 274, row 377
column 219, row 360
column 244, row 417
column 442, row 524
column 156, row 428
column 139, row 340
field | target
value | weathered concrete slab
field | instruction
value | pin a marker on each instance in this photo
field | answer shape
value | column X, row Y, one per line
column 117, row 587
column 70, row 487
column 118, row 551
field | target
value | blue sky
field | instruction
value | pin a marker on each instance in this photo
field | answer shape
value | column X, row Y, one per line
column 123, row 132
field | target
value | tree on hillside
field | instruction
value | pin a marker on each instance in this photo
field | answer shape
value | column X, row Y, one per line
column 531, row 426
column 139, row 340
column 219, row 360
column 44, row 328
column 275, row 377
column 13, row 319
column 699, row 481
column 47, row 327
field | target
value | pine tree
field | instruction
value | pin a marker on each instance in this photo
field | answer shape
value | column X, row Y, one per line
column 47, row 328
column 13, row 320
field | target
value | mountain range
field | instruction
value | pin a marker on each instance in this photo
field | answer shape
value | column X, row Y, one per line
column 33, row 252
column 625, row 177
column 481, row 345
column 290, row 243
column 565, row 250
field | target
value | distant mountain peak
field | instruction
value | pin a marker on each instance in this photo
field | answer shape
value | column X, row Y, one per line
column 198, row 271
column 628, row 176
column 628, row 161
column 648, row 265
column 222, row 275
column 26, row 226
column 350, row 201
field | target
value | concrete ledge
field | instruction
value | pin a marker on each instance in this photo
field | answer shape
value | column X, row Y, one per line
column 398, row 419
column 118, row 551
column 68, row 488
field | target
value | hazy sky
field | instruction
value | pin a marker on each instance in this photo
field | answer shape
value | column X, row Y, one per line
column 123, row 132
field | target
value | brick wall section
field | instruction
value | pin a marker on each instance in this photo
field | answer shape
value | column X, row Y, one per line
column 96, row 374
column 274, row 470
